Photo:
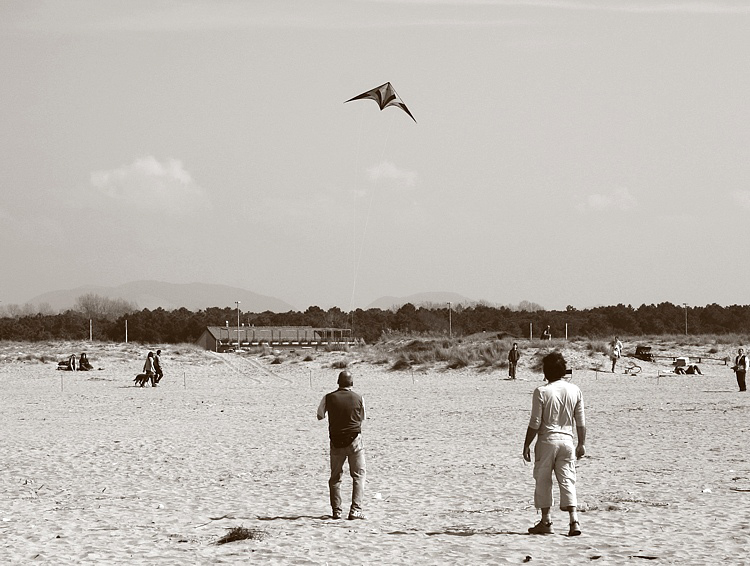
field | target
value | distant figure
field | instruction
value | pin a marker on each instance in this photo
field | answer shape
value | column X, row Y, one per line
column 157, row 366
column 346, row 411
column 84, row 364
column 547, row 334
column 740, row 368
column 513, row 357
column 68, row 365
column 688, row 370
column 555, row 408
column 615, row 351
column 148, row 368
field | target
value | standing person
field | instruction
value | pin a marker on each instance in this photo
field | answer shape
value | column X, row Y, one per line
column 148, row 368
column 554, row 409
column 513, row 357
column 547, row 333
column 740, row 368
column 346, row 411
column 615, row 351
column 157, row 366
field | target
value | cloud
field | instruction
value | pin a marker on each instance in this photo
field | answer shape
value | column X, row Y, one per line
column 150, row 184
column 742, row 198
column 387, row 171
column 618, row 199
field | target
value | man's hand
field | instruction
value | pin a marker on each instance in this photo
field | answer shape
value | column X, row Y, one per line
column 527, row 453
column 580, row 451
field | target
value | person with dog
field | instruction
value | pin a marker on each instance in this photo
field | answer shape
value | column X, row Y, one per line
column 741, row 364
column 157, row 366
column 346, row 411
column 555, row 409
column 148, row 369
column 513, row 356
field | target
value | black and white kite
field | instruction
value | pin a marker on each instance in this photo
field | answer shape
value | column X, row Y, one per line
column 385, row 95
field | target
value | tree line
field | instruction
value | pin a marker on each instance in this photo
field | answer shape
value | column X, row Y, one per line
column 109, row 320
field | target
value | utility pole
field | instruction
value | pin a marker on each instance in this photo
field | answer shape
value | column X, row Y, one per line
column 450, row 321
column 685, row 305
column 238, row 324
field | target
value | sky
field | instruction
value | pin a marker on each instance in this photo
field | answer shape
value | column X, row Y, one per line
column 566, row 152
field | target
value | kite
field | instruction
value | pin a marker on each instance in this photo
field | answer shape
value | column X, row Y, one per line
column 385, row 96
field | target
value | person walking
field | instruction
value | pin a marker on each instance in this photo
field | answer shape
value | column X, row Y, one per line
column 513, row 357
column 346, row 411
column 555, row 409
column 740, row 368
column 157, row 366
column 615, row 352
column 148, row 368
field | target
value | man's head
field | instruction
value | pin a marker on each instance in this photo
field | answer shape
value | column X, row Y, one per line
column 740, row 351
column 346, row 379
column 158, row 352
column 554, row 366
column 515, row 345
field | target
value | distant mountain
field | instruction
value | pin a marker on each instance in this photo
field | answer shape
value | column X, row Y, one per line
column 437, row 298
column 169, row 296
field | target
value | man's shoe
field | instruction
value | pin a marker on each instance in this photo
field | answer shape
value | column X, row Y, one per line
column 356, row 515
column 542, row 529
column 575, row 529
column 336, row 515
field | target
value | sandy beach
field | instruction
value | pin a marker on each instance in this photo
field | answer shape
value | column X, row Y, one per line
column 97, row 471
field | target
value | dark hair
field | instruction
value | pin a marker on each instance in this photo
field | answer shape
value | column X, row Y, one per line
column 345, row 379
column 554, row 366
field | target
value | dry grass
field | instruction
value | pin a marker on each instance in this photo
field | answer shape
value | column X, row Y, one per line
column 242, row 533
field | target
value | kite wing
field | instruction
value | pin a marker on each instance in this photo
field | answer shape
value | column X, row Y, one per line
column 385, row 96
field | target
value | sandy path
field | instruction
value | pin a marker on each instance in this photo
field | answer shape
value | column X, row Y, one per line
column 103, row 472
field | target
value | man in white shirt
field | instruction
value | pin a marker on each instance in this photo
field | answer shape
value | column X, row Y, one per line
column 555, row 409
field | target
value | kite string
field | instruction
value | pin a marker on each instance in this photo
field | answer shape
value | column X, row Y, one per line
column 354, row 220
column 367, row 216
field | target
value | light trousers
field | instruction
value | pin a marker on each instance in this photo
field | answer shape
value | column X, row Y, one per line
column 555, row 456
column 355, row 454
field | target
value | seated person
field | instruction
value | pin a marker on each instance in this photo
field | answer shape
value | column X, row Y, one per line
column 68, row 365
column 84, row 364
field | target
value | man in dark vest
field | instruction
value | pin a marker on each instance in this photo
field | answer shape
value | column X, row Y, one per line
column 346, row 411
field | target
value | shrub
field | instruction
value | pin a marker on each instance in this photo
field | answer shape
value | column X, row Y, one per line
column 340, row 364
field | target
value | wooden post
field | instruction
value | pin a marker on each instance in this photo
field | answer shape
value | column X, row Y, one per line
column 531, row 331
column 184, row 381
column 126, row 330
column 91, row 331
column 566, row 331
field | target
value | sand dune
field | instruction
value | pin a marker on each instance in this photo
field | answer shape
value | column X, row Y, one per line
column 97, row 471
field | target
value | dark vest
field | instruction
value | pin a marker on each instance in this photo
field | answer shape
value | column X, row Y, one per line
column 345, row 414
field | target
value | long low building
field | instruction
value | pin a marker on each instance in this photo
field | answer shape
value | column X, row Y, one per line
column 226, row 338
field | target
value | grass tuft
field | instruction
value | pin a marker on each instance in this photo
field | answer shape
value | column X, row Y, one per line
column 241, row 533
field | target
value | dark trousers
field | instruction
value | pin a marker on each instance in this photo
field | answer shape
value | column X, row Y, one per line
column 741, row 379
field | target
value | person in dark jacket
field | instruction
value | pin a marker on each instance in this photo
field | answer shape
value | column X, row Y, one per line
column 513, row 357
column 346, row 411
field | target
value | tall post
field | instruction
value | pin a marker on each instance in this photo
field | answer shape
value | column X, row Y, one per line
column 238, row 324
column 450, row 321
column 126, row 330
column 91, row 331
column 566, row 331
column 531, row 331
column 685, row 305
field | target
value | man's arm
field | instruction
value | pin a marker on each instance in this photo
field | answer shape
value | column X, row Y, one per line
column 581, row 448
column 530, row 435
column 322, row 409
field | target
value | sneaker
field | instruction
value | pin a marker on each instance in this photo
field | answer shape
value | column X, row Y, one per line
column 356, row 515
column 542, row 529
column 575, row 529
column 336, row 515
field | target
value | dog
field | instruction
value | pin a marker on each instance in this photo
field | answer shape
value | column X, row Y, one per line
column 141, row 379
